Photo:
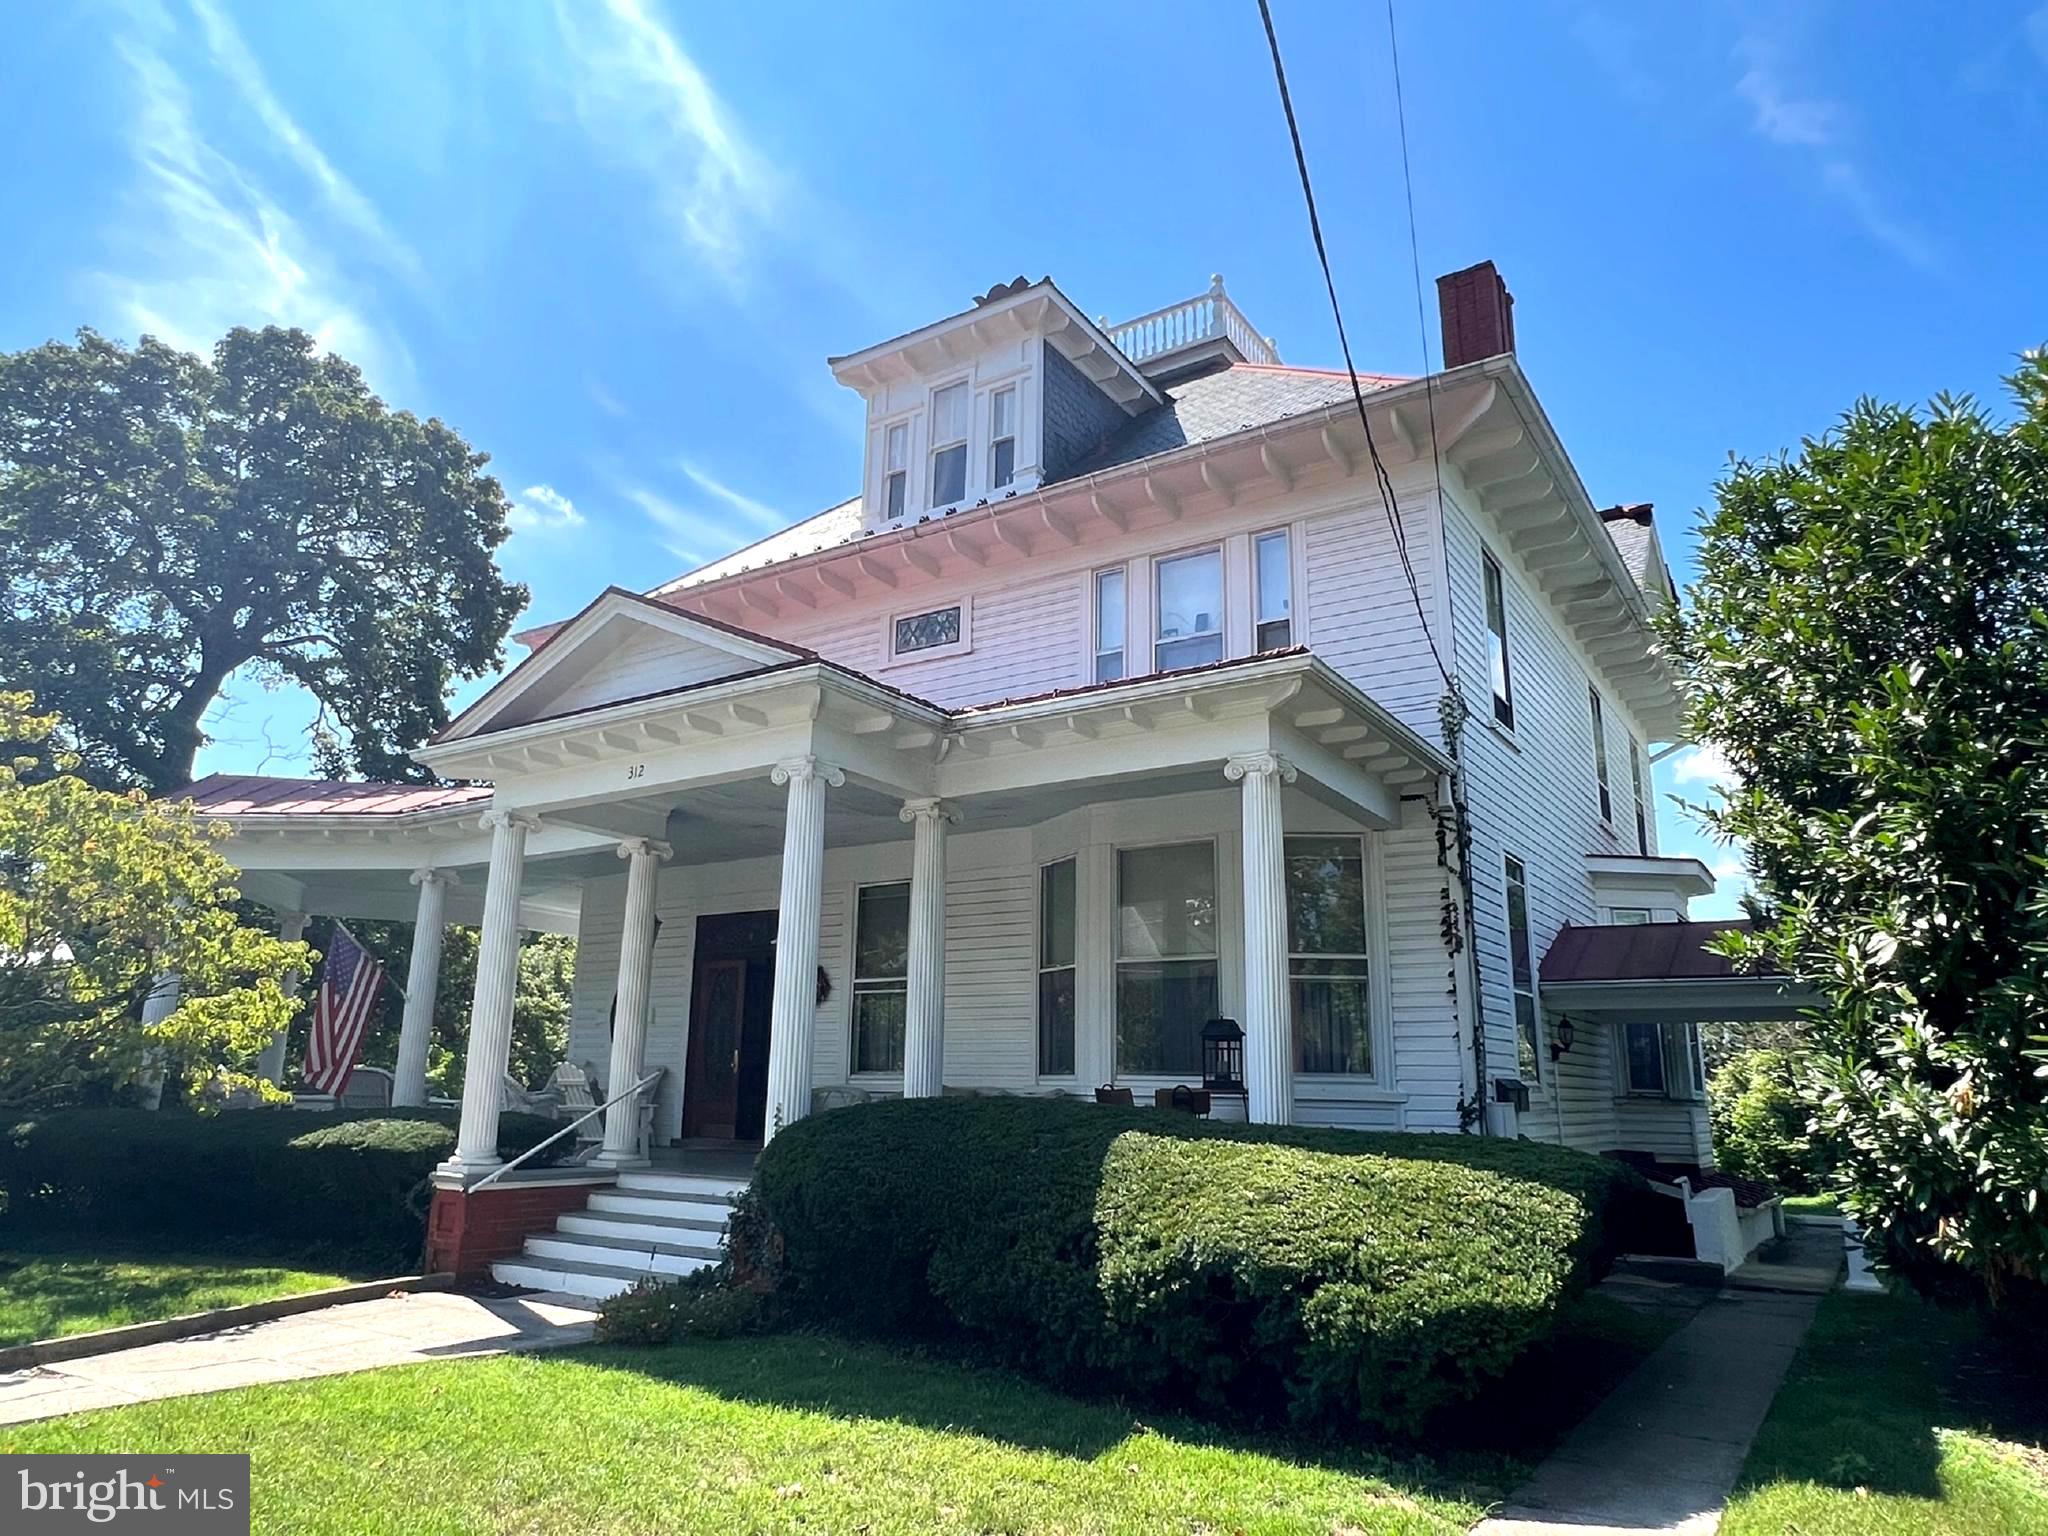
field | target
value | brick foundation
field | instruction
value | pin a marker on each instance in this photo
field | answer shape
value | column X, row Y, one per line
column 469, row 1231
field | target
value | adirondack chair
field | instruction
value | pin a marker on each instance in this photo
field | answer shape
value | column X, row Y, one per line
column 368, row 1088
column 581, row 1091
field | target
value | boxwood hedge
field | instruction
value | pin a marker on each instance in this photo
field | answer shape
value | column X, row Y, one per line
column 352, row 1182
column 1278, row 1272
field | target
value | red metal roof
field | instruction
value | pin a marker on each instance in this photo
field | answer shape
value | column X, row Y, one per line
column 1641, row 952
column 240, row 794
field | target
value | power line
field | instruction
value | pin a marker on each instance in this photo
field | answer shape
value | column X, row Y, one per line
column 1436, row 458
column 1315, row 226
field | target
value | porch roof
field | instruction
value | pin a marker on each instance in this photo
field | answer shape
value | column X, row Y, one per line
column 1662, row 971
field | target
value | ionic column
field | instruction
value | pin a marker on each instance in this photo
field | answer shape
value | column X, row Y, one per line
column 291, row 927
column 924, row 1024
column 793, row 1021
column 643, row 858
column 1268, row 1028
column 422, row 978
column 490, row 1010
column 165, row 993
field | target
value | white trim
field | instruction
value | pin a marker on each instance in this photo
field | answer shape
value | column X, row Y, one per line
column 1541, row 1078
column 853, row 979
column 1221, row 616
column 1295, row 605
column 1094, row 651
column 1117, row 959
column 1039, row 968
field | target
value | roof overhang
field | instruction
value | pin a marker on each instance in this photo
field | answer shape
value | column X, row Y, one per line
column 1038, row 309
column 1682, row 999
column 1679, row 878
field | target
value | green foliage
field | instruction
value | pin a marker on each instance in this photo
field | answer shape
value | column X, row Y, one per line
column 1760, row 1121
column 357, row 1183
column 1317, row 1275
column 166, row 521
column 100, row 894
column 703, row 1305
column 1867, row 644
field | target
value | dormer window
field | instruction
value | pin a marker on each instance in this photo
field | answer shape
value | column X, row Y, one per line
column 949, row 444
column 896, row 470
column 1002, row 437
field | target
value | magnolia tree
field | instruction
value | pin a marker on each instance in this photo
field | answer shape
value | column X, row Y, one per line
column 1868, row 644
column 101, row 894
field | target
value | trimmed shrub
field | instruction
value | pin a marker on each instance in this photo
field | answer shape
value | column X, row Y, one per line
column 357, row 1183
column 704, row 1305
column 1272, row 1271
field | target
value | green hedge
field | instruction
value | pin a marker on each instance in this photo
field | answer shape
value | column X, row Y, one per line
column 352, row 1182
column 1279, row 1272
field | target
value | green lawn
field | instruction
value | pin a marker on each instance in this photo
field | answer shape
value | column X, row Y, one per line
column 47, row 1291
column 1812, row 1205
column 1898, row 1419
column 781, row 1433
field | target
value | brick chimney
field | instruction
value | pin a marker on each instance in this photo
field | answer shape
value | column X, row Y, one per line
column 1478, row 314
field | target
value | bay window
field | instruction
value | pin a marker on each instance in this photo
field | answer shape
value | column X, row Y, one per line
column 1056, row 921
column 1327, row 968
column 881, row 976
column 1187, row 610
column 949, row 444
column 1165, row 956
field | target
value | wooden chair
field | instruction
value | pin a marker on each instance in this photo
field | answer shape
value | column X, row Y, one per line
column 368, row 1088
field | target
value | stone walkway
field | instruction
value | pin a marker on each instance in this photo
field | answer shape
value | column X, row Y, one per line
column 1663, row 1451
column 399, row 1329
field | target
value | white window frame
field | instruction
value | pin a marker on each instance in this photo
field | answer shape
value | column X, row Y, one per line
column 1493, row 574
column 933, row 447
column 1639, row 787
column 1605, row 795
column 1041, row 970
column 1378, row 1036
column 1515, row 993
column 907, row 425
column 1221, row 616
column 1629, row 917
column 959, row 647
column 1117, row 958
column 854, row 988
column 1095, row 650
column 1284, row 533
column 1679, row 1063
column 1013, row 437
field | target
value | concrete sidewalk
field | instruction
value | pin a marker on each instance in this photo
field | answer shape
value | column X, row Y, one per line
column 399, row 1329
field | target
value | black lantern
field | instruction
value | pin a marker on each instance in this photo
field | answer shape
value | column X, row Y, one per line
column 1565, row 1034
column 1223, row 1056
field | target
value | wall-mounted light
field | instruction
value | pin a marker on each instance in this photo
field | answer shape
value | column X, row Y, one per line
column 1563, row 1036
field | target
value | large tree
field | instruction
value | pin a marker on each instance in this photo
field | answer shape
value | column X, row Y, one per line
column 166, row 522
column 101, row 894
column 1868, row 644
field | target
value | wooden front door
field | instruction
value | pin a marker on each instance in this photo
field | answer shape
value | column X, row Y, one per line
column 718, row 1011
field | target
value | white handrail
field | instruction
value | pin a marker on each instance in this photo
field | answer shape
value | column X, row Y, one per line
column 1211, row 316
column 504, row 1168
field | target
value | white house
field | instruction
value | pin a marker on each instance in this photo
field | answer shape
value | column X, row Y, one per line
column 1113, row 703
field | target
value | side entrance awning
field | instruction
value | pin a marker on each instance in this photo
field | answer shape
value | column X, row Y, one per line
column 1661, row 973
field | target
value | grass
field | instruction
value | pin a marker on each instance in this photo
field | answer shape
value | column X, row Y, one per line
column 50, row 1290
column 1812, row 1205
column 1898, row 1419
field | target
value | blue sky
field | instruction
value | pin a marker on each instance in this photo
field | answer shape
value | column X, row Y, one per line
column 612, row 241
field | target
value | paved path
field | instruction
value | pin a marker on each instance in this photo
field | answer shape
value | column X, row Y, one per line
column 399, row 1329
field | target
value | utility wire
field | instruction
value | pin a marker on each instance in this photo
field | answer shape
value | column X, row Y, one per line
column 1386, row 484
column 1436, row 458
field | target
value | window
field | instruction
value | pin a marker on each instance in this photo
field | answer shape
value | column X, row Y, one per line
column 1109, row 625
column 1326, row 955
column 1497, row 646
column 1522, row 971
column 1273, row 623
column 1643, row 1058
column 1662, row 1061
column 1002, row 437
column 896, row 469
column 1635, row 778
column 914, row 632
column 1600, row 755
column 1627, row 917
column 881, row 970
column 1165, row 956
column 1188, row 610
column 1056, row 969
column 949, row 444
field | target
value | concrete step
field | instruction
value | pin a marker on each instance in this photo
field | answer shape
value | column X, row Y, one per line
column 649, row 1258
column 597, row 1281
column 692, row 1185
column 645, row 1202
column 647, row 1229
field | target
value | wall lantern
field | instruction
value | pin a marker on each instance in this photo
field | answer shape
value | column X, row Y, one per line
column 1564, row 1034
column 1223, row 1056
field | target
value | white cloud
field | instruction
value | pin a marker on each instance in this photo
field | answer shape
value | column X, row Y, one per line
column 540, row 508
column 2037, row 33
column 1786, row 119
column 1706, row 766
column 770, row 520
column 674, row 520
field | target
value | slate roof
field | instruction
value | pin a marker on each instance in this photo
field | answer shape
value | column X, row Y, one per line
column 1635, row 540
column 1640, row 952
column 241, row 794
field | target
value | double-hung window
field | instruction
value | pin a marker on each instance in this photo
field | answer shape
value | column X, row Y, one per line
column 896, row 469
column 1273, row 579
column 1165, row 956
column 1326, row 955
column 1002, row 437
column 1056, row 920
column 881, row 976
column 1187, row 607
column 1109, row 624
column 949, row 444
column 1642, row 794
column 1600, row 755
column 1497, row 645
column 1522, row 973
column 1662, row 1061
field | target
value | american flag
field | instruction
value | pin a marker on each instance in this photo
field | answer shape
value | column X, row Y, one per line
column 348, row 987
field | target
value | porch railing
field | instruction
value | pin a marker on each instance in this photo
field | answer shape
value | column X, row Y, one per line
column 633, row 1092
column 1211, row 316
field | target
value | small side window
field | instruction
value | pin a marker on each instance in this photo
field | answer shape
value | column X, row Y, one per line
column 1002, row 437
column 949, row 444
column 1109, row 624
column 1497, row 645
column 1600, row 755
column 896, row 470
column 1273, row 623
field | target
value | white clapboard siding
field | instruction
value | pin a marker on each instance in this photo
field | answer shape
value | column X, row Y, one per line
column 647, row 660
column 1678, row 1133
column 1362, row 617
column 1429, row 1054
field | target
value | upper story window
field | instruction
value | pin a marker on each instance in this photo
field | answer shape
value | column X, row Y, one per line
column 1497, row 645
column 949, row 444
column 1002, row 437
column 1628, row 917
column 1274, row 619
column 1522, row 971
column 1600, row 755
column 896, row 470
column 1187, row 610
column 930, row 632
column 1109, row 624
column 1642, row 794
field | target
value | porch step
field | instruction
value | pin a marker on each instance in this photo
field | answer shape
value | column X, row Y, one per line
column 649, row 1229
column 648, row 1258
column 646, row 1202
column 693, row 1185
column 600, row 1282
column 650, row 1225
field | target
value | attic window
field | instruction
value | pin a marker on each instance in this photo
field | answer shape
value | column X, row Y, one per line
column 949, row 444
column 934, row 632
column 1002, row 433
column 896, row 470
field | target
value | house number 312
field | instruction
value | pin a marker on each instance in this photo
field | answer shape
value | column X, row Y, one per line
column 636, row 771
